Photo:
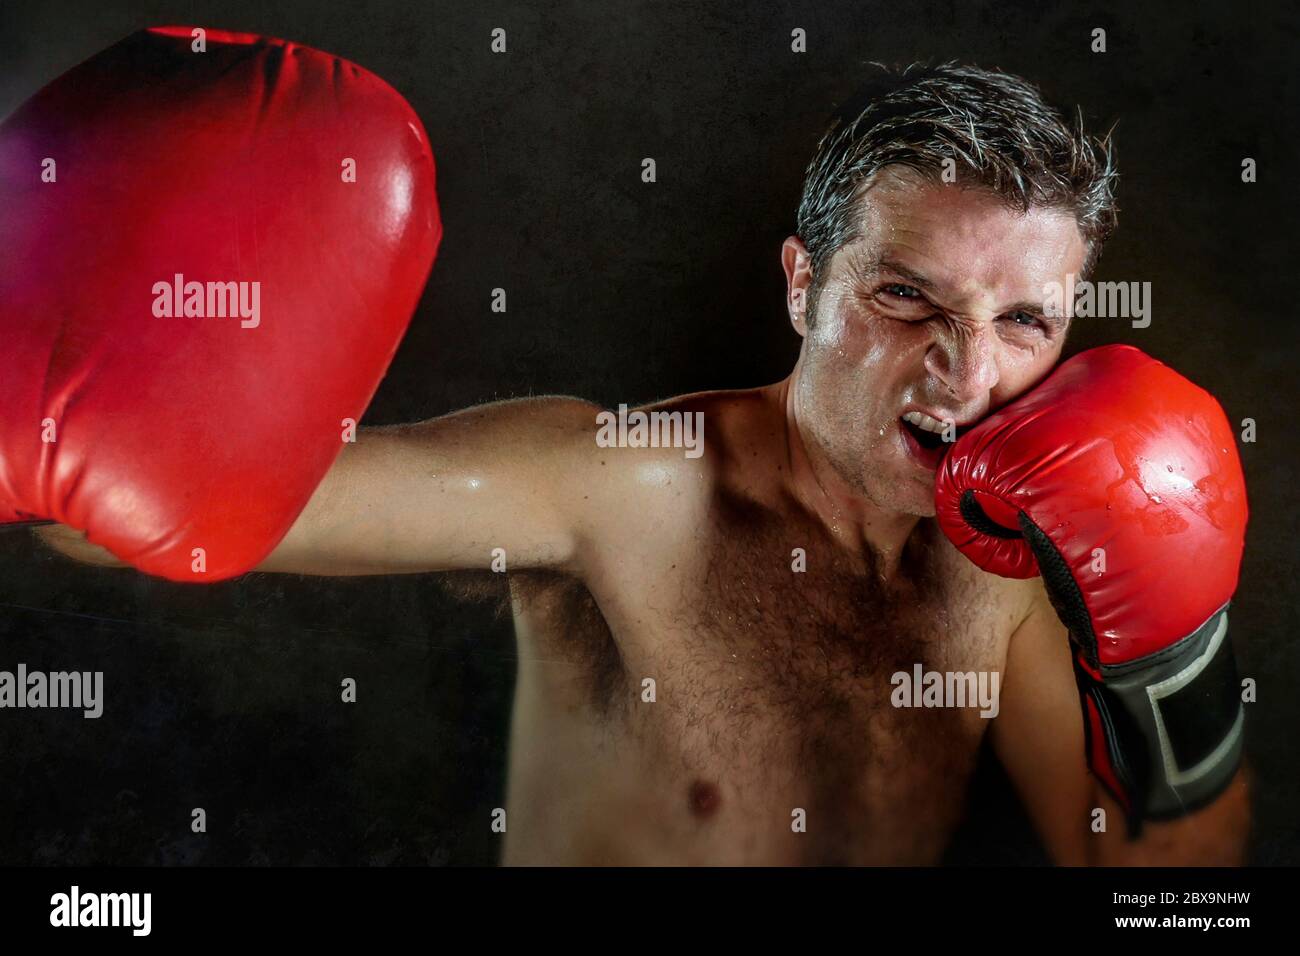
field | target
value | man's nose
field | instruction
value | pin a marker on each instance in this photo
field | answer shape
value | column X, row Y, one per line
column 966, row 363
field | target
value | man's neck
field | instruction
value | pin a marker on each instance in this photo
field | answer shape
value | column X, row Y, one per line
column 857, row 523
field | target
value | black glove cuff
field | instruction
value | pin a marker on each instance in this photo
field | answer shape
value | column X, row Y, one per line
column 1174, row 721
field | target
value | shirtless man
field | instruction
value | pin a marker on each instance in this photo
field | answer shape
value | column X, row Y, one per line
column 706, row 642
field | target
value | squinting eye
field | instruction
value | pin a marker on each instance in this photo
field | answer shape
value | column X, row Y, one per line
column 893, row 288
column 1025, row 319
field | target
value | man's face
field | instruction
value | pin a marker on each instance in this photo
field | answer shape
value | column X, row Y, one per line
column 935, row 313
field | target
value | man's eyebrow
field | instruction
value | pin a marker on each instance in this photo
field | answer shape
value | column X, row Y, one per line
column 883, row 264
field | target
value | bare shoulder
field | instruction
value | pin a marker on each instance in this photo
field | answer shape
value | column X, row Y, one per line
column 567, row 481
column 656, row 469
column 1009, row 600
column 739, row 435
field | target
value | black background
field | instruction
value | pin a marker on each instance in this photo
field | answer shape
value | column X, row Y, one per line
column 227, row 696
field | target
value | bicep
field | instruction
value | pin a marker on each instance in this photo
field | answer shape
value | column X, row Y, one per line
column 498, row 481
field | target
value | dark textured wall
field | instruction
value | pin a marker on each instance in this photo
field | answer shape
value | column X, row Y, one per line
column 226, row 697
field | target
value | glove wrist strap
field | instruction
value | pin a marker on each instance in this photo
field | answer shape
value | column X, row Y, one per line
column 1172, row 721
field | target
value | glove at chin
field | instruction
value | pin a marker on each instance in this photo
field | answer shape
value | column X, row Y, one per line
column 1118, row 481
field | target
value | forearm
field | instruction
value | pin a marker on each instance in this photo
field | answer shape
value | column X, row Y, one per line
column 1215, row 835
column 72, row 543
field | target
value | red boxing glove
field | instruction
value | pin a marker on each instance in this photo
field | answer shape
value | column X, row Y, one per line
column 1119, row 481
column 212, row 248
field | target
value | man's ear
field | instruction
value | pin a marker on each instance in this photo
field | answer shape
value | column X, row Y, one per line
column 798, row 282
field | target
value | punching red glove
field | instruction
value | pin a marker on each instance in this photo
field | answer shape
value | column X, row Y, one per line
column 1119, row 481
column 212, row 245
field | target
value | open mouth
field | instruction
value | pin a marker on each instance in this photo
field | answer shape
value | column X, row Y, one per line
column 925, row 437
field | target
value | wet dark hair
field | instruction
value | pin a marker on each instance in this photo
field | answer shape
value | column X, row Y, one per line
column 997, row 128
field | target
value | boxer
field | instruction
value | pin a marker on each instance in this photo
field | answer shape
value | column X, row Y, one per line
column 710, row 644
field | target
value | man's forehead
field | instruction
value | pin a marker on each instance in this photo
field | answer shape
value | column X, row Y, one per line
column 953, row 235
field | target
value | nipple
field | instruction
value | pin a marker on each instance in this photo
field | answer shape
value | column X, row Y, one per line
column 704, row 799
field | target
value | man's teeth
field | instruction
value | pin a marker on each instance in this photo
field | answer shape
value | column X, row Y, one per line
column 925, row 422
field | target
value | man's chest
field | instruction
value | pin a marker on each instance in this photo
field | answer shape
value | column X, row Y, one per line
column 821, row 662
column 774, row 681
column 759, row 636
